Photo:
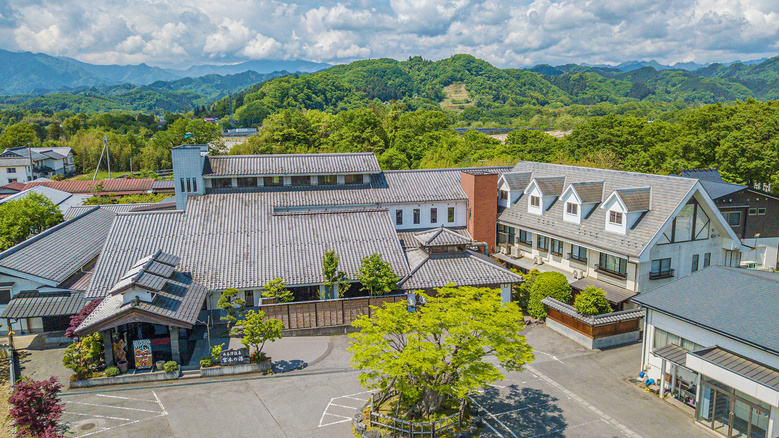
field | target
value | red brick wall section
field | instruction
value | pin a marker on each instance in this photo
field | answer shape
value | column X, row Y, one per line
column 482, row 192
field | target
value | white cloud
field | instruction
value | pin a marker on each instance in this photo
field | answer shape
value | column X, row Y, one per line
column 505, row 32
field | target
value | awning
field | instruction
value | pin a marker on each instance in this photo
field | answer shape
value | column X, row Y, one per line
column 615, row 294
column 672, row 353
column 716, row 358
column 527, row 264
column 34, row 304
column 7, row 283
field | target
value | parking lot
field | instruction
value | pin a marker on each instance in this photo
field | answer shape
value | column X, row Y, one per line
column 567, row 391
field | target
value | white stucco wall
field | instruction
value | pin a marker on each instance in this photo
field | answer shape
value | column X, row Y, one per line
column 460, row 212
column 19, row 176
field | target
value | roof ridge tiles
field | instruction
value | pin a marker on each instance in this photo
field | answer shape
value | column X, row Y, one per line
column 324, row 154
column 598, row 169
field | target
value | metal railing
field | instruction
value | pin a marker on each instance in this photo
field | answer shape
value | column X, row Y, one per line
column 603, row 270
column 412, row 429
column 661, row 274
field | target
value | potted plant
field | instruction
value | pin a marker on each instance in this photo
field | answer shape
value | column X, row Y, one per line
column 122, row 365
column 171, row 368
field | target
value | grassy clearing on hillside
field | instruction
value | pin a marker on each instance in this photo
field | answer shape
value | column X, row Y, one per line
column 102, row 174
column 457, row 97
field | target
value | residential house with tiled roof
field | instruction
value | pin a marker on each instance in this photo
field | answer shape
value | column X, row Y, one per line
column 38, row 162
column 622, row 232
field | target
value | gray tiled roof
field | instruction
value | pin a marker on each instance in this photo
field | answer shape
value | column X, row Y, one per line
column 409, row 241
column 550, row 185
column 13, row 161
column 441, row 237
column 77, row 210
column 672, row 352
column 62, row 250
column 636, row 199
column 592, row 231
column 293, row 164
column 703, row 174
column 517, row 180
column 463, row 269
column 718, row 190
column 180, row 299
column 236, row 241
column 707, row 298
column 34, row 304
column 592, row 320
column 589, row 191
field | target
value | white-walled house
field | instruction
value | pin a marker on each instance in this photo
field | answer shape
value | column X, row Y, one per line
column 44, row 162
column 713, row 338
column 14, row 169
column 623, row 232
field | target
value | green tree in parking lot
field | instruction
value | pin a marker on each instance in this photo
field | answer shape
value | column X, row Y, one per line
column 548, row 284
column 438, row 352
column 257, row 330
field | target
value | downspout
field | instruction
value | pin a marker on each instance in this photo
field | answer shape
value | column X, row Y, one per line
column 479, row 244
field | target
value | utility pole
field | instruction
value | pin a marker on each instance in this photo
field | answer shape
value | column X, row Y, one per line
column 107, row 155
column 32, row 168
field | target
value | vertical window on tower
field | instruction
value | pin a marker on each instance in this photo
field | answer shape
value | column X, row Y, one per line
column 398, row 217
column 194, row 184
column 706, row 260
column 416, row 216
column 189, row 185
column 182, row 184
column 450, row 214
column 433, row 215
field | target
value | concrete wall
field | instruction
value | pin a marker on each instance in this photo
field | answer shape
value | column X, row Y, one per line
column 187, row 165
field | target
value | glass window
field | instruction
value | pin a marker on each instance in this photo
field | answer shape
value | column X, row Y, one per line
column 189, row 185
column 572, row 208
column 660, row 267
column 433, row 215
column 273, row 181
column 5, row 296
column 752, row 211
column 706, row 259
column 327, row 180
column 224, row 183
column 535, row 201
column 398, row 217
column 353, row 179
column 247, row 182
column 450, row 214
column 615, row 218
column 301, row 180
column 695, row 259
column 10, row 180
column 613, row 264
column 684, row 224
column 526, row 237
column 194, row 184
column 183, row 189
column 504, row 195
column 416, row 216
column 543, row 243
column 661, row 338
column 761, row 211
column 734, row 218
column 10, row 170
column 579, row 253
column 557, row 247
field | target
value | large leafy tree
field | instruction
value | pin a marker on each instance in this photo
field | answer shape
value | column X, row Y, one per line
column 19, row 135
column 377, row 276
column 36, row 408
column 84, row 356
column 438, row 351
column 31, row 214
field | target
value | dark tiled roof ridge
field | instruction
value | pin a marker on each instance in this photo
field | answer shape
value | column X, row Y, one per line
column 138, row 213
column 598, row 169
column 323, row 154
column 447, row 169
column 37, row 237
column 339, row 211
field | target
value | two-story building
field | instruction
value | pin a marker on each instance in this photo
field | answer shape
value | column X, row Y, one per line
column 39, row 162
column 622, row 232
column 753, row 215
column 14, row 169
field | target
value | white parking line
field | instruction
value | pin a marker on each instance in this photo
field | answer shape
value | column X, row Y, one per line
column 126, row 421
column 124, row 398
column 343, row 419
column 489, row 414
column 100, row 416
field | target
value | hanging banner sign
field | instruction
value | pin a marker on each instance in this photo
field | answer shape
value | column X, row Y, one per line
column 143, row 357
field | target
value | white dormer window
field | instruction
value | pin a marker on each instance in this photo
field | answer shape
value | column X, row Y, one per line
column 571, row 208
column 615, row 217
column 535, row 201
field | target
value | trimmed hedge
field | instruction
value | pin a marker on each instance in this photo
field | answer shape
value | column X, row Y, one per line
column 548, row 284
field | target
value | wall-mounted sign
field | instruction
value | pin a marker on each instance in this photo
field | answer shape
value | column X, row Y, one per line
column 142, row 353
column 234, row 357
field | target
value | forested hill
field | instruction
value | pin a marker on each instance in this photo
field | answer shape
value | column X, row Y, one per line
column 476, row 91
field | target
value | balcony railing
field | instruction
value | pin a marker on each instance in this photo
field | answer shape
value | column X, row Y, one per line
column 604, row 270
column 661, row 274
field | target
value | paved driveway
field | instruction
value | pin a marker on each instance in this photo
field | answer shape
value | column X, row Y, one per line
column 568, row 391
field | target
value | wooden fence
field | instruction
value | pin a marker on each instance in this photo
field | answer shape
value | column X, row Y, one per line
column 594, row 331
column 325, row 313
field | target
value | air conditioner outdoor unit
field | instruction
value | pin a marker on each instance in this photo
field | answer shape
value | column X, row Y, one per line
column 578, row 274
column 516, row 252
column 538, row 260
column 504, row 250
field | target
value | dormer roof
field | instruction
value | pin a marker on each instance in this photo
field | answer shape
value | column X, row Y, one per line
column 635, row 199
column 517, row 180
column 549, row 185
column 588, row 192
column 441, row 237
column 150, row 273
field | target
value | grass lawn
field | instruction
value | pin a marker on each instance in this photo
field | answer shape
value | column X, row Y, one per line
column 102, row 174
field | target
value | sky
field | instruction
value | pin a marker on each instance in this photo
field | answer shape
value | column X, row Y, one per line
column 181, row 33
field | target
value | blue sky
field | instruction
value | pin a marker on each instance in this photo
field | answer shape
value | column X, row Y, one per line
column 180, row 33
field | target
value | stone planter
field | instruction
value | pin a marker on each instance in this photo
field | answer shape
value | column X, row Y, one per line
column 263, row 367
column 124, row 378
column 122, row 365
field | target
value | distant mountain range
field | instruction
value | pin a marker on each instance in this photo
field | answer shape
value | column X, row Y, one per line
column 37, row 73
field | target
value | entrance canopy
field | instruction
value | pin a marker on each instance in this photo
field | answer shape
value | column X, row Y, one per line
column 672, row 353
column 738, row 372
column 152, row 291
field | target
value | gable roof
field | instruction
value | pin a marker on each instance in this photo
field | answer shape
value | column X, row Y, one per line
column 409, row 241
column 110, row 186
column 589, row 191
column 292, row 164
column 463, row 269
column 35, row 304
column 517, row 180
column 591, row 231
column 62, row 250
column 752, row 321
column 550, row 185
column 635, row 199
column 77, row 210
column 441, row 237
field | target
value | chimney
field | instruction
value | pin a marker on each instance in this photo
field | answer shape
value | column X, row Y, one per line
column 481, row 187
